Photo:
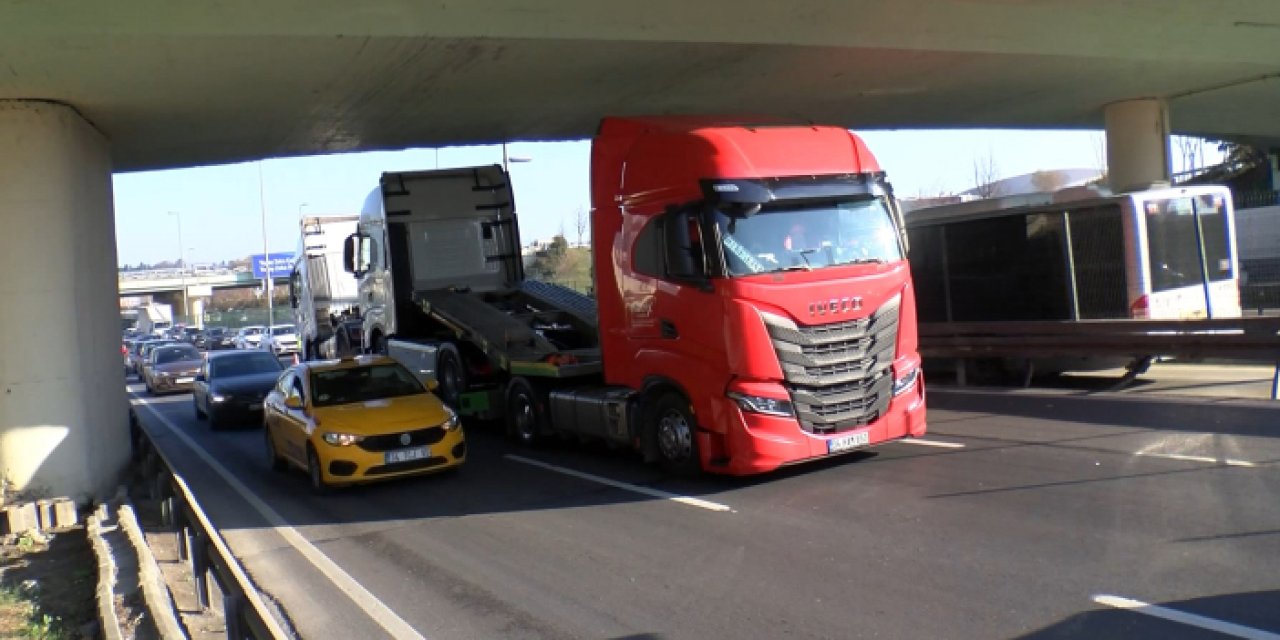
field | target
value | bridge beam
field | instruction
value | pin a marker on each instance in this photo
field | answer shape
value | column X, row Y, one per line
column 63, row 411
column 1137, row 143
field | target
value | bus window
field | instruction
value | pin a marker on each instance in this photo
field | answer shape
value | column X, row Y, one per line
column 1172, row 246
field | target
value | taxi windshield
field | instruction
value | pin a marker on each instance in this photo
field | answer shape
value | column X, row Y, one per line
column 362, row 384
column 809, row 236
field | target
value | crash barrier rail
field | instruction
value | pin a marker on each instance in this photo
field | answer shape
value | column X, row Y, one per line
column 201, row 546
column 1253, row 339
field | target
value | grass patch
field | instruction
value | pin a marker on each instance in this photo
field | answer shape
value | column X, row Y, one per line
column 21, row 617
column 47, row 588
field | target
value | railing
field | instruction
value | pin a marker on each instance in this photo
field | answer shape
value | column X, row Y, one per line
column 202, row 547
column 1251, row 339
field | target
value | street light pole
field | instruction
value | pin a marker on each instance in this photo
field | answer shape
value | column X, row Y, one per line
column 267, row 281
column 182, row 265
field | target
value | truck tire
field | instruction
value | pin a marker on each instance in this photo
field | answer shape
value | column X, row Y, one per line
column 451, row 373
column 674, row 434
column 526, row 419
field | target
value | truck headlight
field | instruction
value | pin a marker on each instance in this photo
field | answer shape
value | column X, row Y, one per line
column 341, row 439
column 907, row 382
column 451, row 423
column 762, row 405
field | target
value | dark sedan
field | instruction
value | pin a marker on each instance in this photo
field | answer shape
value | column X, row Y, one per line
column 231, row 386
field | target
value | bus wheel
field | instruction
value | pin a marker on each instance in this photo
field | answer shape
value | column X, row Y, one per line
column 674, row 432
column 524, row 417
column 451, row 375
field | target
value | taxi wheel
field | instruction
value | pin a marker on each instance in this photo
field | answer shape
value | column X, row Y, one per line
column 200, row 415
column 524, row 417
column 318, row 485
column 273, row 458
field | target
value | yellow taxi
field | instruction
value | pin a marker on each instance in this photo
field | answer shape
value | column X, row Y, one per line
column 357, row 420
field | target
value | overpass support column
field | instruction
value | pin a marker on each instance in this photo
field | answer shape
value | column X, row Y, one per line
column 63, row 412
column 1137, row 143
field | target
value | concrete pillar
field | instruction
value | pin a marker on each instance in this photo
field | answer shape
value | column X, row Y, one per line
column 1137, row 143
column 63, row 412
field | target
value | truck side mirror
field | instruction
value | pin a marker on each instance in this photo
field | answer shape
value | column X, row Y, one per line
column 349, row 252
column 683, row 250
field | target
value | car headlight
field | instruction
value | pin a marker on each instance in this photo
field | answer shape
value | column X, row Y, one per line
column 906, row 382
column 218, row 397
column 162, row 375
column 762, row 405
column 341, row 439
column 451, row 423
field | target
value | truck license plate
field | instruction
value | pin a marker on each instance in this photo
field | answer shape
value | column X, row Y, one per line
column 851, row 441
column 408, row 455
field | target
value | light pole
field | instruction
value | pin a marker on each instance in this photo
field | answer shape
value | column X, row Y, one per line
column 507, row 159
column 182, row 264
column 266, row 255
column 300, row 206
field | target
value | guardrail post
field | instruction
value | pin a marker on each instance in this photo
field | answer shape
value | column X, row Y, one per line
column 200, row 570
column 233, row 612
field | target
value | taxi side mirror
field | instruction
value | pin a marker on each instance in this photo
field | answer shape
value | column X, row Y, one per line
column 293, row 402
column 432, row 385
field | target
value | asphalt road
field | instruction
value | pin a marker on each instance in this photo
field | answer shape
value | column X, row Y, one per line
column 1024, row 517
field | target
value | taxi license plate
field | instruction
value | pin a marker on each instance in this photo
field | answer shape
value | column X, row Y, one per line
column 185, row 380
column 851, row 441
column 407, row 455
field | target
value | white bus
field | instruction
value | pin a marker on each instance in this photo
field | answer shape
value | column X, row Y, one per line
column 1080, row 254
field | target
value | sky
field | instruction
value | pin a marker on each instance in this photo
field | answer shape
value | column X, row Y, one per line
column 221, row 212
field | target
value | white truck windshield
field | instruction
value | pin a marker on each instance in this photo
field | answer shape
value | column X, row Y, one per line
column 809, row 236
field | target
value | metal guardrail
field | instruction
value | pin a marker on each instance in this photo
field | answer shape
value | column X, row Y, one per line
column 1253, row 339
column 202, row 547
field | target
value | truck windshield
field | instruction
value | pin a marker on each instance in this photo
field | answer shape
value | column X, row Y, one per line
column 809, row 236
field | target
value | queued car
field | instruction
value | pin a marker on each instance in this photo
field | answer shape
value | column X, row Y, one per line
column 171, row 368
column 249, row 337
column 231, row 387
column 216, row 338
column 359, row 419
column 188, row 334
column 280, row 340
column 144, row 354
column 126, row 349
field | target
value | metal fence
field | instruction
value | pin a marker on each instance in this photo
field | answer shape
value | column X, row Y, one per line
column 201, row 545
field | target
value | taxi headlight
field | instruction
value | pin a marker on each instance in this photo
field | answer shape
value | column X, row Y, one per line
column 451, row 423
column 218, row 397
column 341, row 439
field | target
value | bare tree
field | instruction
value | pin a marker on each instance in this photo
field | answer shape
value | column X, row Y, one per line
column 582, row 223
column 985, row 176
column 1100, row 157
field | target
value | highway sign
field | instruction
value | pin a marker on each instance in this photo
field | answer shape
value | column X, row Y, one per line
column 280, row 264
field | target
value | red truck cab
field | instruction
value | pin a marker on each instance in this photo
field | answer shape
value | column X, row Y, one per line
column 759, row 271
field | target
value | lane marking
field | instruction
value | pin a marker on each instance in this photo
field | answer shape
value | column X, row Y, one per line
column 932, row 443
column 1173, row 615
column 369, row 603
column 625, row 486
column 1178, row 456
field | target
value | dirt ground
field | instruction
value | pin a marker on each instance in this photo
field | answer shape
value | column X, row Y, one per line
column 47, row 585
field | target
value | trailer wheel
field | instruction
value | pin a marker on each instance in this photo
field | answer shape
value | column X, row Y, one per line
column 451, row 375
column 379, row 344
column 524, row 417
column 674, row 433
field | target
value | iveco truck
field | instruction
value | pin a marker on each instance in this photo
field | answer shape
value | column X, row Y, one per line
column 753, row 309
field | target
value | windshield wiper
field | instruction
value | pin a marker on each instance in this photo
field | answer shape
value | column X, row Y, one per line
column 804, row 255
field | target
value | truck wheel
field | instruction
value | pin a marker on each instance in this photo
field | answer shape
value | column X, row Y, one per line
column 674, row 431
column 524, row 417
column 199, row 414
column 451, row 375
column 379, row 345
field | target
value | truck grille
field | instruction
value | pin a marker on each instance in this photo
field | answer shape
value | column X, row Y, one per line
column 839, row 375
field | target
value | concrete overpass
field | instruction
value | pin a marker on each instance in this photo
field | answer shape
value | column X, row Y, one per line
column 172, row 283
column 90, row 89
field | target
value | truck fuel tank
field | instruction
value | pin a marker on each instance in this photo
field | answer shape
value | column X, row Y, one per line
column 594, row 411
